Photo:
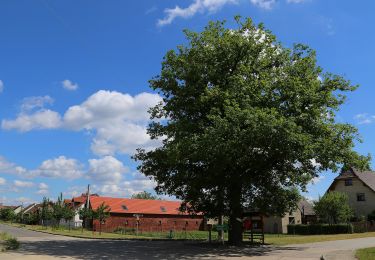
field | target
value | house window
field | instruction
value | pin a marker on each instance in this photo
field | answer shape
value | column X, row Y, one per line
column 348, row 182
column 163, row 209
column 292, row 220
column 361, row 197
column 124, row 207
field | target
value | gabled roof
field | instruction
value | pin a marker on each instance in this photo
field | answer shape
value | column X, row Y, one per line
column 367, row 177
column 306, row 207
column 138, row 206
column 31, row 208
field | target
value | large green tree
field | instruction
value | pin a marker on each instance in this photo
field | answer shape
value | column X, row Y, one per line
column 243, row 122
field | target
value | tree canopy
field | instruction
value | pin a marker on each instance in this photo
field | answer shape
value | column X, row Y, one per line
column 243, row 122
column 333, row 208
column 144, row 195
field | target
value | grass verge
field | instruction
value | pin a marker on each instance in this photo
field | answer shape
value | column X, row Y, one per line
column 273, row 239
column 366, row 253
column 8, row 242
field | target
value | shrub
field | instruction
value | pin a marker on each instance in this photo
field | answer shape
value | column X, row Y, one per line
column 320, row 229
column 371, row 216
column 11, row 244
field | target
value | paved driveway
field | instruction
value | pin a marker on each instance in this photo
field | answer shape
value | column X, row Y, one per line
column 36, row 245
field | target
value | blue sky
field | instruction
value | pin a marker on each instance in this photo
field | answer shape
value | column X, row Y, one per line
column 74, row 91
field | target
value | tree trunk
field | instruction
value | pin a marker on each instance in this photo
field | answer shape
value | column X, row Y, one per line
column 235, row 217
column 100, row 227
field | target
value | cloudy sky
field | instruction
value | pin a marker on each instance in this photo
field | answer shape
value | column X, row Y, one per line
column 74, row 92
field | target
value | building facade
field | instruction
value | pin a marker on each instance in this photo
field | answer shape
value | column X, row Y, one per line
column 360, row 188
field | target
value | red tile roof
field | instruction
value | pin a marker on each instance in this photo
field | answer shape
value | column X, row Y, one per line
column 139, row 206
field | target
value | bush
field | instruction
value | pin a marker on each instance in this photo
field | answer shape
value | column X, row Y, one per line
column 9, row 242
column 320, row 229
column 371, row 216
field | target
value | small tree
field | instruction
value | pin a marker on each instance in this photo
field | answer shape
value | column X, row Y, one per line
column 85, row 214
column 333, row 208
column 144, row 195
column 58, row 210
column 45, row 211
column 69, row 213
column 101, row 214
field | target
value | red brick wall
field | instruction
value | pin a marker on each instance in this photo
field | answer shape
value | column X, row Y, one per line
column 151, row 223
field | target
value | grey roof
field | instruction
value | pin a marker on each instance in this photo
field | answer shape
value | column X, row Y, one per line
column 368, row 177
column 306, row 207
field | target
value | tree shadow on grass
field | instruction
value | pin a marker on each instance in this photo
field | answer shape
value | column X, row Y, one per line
column 112, row 249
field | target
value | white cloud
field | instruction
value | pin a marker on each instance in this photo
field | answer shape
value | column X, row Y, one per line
column 10, row 168
column 364, row 118
column 60, row 167
column 43, row 186
column 69, row 85
column 43, row 119
column 23, row 184
column 106, row 170
column 2, row 181
column 264, row 4
column 33, row 115
column 42, row 192
column 31, row 103
column 198, row 6
column 119, row 120
column 1, row 86
column 126, row 188
column 317, row 179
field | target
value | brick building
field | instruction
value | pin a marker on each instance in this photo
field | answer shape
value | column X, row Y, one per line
column 146, row 215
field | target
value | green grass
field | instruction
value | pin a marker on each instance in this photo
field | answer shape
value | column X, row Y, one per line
column 194, row 235
column 301, row 239
column 8, row 242
column 366, row 253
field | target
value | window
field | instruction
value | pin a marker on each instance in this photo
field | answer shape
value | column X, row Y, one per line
column 163, row 209
column 292, row 220
column 126, row 223
column 348, row 182
column 124, row 207
column 361, row 197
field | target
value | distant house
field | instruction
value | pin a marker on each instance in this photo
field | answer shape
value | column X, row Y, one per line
column 303, row 214
column 76, row 203
column 360, row 188
column 145, row 215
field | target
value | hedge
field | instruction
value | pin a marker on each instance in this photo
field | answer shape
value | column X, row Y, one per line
column 320, row 229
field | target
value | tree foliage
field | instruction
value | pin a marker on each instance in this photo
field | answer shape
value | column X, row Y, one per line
column 245, row 120
column 101, row 214
column 144, row 195
column 58, row 210
column 333, row 208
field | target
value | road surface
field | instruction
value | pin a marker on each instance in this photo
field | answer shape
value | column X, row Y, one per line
column 36, row 245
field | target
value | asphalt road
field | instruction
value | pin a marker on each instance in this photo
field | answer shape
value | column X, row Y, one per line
column 36, row 245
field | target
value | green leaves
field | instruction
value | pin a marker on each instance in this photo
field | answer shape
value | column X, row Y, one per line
column 244, row 114
column 333, row 208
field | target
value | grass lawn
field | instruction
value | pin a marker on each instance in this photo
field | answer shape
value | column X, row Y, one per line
column 196, row 235
column 366, row 253
column 301, row 239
